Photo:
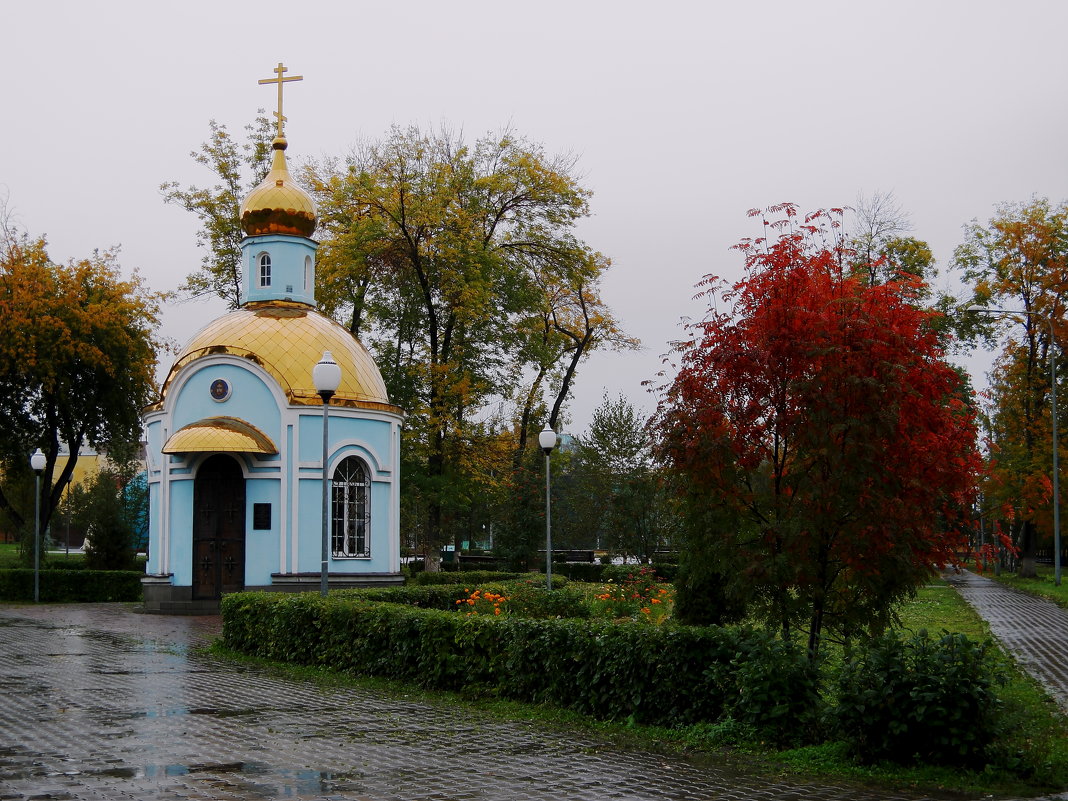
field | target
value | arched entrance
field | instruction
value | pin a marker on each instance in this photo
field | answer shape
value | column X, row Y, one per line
column 218, row 528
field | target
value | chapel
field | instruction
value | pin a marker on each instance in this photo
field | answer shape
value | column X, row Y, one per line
column 235, row 442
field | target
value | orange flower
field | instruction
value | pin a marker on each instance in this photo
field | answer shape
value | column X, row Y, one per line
column 655, row 600
column 496, row 610
column 646, row 610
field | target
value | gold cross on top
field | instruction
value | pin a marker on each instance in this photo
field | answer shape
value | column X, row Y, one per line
column 279, row 70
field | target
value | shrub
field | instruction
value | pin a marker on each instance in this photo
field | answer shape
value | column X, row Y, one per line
column 701, row 599
column 920, row 699
column 471, row 577
column 639, row 597
column 661, row 675
column 621, row 573
column 529, row 599
column 63, row 586
column 580, row 571
column 438, row 596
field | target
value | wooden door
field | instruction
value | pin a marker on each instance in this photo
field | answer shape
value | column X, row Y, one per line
column 218, row 528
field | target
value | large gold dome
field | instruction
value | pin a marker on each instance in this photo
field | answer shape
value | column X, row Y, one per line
column 287, row 339
column 278, row 205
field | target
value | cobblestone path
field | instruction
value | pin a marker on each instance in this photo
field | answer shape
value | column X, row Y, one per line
column 97, row 702
column 1034, row 630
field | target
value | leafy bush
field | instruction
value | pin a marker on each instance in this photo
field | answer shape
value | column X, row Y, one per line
column 621, row 573
column 529, row 599
column 701, row 599
column 472, row 577
column 476, row 577
column 63, row 586
column 662, row 675
column 439, row 596
column 919, row 700
column 639, row 597
column 580, row 571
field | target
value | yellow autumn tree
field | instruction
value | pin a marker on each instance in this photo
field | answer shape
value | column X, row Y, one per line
column 459, row 266
column 1019, row 262
column 77, row 364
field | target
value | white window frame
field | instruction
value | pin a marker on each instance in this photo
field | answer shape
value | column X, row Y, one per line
column 265, row 270
column 350, row 510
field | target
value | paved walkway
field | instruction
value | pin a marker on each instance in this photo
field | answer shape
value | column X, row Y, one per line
column 97, row 702
column 1034, row 630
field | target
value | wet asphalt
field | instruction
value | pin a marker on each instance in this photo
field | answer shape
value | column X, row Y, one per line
column 100, row 702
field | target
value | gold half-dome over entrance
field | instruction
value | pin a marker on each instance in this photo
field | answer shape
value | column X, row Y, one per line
column 220, row 435
column 286, row 339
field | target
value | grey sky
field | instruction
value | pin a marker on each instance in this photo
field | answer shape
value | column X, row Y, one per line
column 683, row 115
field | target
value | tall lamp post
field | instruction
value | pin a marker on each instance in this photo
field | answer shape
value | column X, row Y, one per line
column 37, row 462
column 1053, row 417
column 326, row 375
column 547, row 441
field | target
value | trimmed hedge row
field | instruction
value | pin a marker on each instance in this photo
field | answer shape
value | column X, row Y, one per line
column 661, row 675
column 471, row 578
column 81, row 586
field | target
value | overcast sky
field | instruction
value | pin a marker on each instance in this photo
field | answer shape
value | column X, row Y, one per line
column 683, row 116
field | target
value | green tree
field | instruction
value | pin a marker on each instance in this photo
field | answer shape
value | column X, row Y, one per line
column 459, row 266
column 77, row 362
column 238, row 169
column 620, row 487
column 109, row 507
column 1019, row 261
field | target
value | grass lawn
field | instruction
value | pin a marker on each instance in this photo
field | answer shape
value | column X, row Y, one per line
column 1034, row 745
column 1042, row 585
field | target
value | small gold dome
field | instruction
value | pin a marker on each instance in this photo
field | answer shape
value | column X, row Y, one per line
column 278, row 205
column 287, row 339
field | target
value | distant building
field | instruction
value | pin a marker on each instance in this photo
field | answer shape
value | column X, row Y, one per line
column 234, row 453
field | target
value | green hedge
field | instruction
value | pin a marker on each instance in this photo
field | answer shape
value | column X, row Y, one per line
column 662, row 675
column 472, row 578
column 83, row 586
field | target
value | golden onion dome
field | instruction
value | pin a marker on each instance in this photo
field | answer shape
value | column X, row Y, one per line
column 278, row 205
column 287, row 339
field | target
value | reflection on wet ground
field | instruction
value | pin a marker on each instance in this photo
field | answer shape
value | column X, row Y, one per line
column 97, row 702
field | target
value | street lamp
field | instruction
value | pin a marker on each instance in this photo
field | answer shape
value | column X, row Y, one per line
column 1053, row 416
column 37, row 462
column 547, row 441
column 326, row 375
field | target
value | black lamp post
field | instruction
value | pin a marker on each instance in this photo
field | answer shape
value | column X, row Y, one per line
column 326, row 375
column 547, row 441
column 37, row 462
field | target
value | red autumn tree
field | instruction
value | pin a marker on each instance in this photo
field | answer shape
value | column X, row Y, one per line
column 826, row 448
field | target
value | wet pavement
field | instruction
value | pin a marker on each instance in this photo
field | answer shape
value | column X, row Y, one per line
column 98, row 702
column 1034, row 630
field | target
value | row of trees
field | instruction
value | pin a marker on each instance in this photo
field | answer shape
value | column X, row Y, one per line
column 826, row 452
column 821, row 451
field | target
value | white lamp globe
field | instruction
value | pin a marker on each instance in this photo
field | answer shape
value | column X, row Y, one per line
column 326, row 375
column 547, row 440
column 37, row 461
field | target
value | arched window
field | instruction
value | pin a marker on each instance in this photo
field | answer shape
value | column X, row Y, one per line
column 351, row 509
column 265, row 269
column 307, row 273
